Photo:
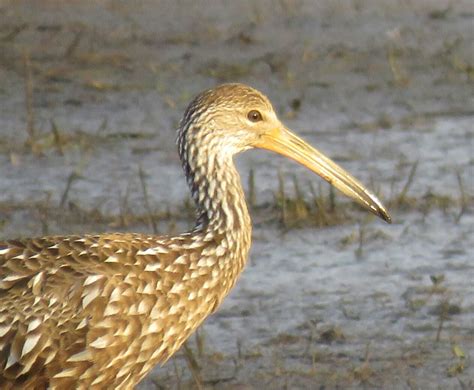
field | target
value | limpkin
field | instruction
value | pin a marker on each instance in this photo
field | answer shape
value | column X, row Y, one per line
column 100, row 311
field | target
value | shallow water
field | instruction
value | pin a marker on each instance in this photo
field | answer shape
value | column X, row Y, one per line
column 378, row 87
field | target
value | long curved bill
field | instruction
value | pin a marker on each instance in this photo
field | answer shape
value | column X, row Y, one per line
column 286, row 143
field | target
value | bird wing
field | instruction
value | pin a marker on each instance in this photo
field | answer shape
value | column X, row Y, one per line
column 51, row 290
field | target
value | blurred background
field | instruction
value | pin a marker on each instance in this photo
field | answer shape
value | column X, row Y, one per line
column 91, row 93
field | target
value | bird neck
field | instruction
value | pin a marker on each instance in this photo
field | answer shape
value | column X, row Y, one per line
column 217, row 192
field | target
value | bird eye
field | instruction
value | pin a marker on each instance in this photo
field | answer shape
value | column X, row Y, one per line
column 254, row 116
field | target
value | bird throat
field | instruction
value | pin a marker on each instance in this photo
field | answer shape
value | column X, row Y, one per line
column 219, row 197
column 223, row 220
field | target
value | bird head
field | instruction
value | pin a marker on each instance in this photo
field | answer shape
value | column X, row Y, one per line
column 232, row 118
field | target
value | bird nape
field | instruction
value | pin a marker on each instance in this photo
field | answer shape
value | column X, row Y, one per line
column 100, row 311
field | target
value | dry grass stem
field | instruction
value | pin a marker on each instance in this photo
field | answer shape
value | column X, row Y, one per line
column 146, row 199
column 193, row 366
column 30, row 118
column 73, row 176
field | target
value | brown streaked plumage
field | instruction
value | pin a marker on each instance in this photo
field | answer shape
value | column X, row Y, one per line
column 99, row 311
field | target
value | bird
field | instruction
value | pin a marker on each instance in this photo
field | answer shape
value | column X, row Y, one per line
column 97, row 311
